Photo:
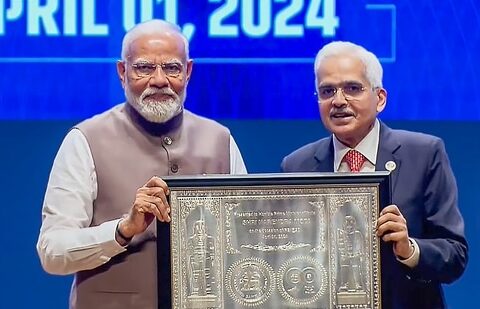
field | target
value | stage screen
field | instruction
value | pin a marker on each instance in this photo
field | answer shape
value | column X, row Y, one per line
column 253, row 58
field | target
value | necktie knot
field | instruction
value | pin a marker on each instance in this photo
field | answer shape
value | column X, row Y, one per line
column 354, row 160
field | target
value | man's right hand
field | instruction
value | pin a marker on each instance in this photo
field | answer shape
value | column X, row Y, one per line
column 150, row 202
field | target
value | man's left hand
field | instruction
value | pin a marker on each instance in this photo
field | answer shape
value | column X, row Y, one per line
column 392, row 227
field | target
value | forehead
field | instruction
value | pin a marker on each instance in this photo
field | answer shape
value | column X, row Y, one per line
column 157, row 46
column 341, row 68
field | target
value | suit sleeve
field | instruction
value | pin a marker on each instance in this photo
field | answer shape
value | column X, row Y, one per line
column 443, row 249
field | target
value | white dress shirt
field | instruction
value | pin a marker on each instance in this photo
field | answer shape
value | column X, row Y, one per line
column 368, row 147
column 67, row 244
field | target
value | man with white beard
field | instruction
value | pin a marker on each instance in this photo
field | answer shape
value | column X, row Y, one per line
column 90, row 226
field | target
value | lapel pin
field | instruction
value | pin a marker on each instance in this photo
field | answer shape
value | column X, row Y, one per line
column 390, row 166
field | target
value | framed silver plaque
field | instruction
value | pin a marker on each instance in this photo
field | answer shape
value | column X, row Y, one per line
column 275, row 241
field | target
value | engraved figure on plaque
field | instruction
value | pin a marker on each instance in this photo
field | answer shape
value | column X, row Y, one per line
column 351, row 251
column 201, row 255
column 350, row 247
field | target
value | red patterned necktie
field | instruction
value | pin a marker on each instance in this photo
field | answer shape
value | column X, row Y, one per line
column 354, row 160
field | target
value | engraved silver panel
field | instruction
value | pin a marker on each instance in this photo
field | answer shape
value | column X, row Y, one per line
column 302, row 246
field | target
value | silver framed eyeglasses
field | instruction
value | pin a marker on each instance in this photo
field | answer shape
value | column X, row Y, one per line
column 147, row 69
column 350, row 90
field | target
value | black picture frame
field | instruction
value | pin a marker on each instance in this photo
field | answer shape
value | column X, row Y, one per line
column 201, row 183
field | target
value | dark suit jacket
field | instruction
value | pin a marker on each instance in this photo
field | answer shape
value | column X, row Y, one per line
column 424, row 189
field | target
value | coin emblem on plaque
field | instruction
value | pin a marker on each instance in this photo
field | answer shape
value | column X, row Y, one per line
column 250, row 281
column 302, row 280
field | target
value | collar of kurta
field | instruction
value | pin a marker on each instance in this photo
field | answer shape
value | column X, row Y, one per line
column 152, row 128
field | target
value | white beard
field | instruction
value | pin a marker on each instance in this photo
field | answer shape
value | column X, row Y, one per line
column 157, row 111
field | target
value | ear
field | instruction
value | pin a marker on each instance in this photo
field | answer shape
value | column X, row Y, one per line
column 189, row 69
column 381, row 99
column 121, row 72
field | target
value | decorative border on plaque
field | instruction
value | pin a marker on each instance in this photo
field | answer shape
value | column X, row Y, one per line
column 363, row 204
column 186, row 206
column 320, row 206
column 229, row 207
column 250, row 281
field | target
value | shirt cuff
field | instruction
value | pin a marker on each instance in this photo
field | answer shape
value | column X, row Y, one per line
column 412, row 261
column 110, row 245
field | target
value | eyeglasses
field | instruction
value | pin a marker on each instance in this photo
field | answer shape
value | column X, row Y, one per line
column 350, row 90
column 147, row 69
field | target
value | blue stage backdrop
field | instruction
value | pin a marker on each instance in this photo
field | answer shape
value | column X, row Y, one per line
column 254, row 58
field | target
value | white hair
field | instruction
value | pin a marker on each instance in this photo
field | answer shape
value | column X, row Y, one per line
column 151, row 27
column 157, row 111
column 373, row 68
